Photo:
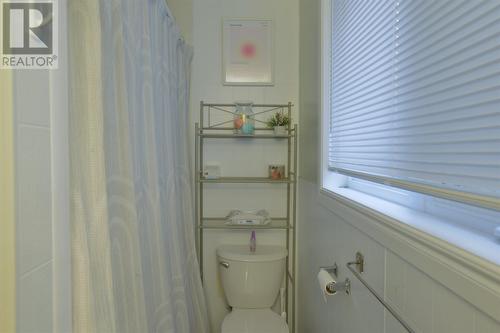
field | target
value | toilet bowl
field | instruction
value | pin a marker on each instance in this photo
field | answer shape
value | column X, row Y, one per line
column 251, row 283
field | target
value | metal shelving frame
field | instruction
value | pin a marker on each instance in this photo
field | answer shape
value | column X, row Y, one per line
column 208, row 128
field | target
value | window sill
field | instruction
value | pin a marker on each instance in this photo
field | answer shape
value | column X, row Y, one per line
column 482, row 245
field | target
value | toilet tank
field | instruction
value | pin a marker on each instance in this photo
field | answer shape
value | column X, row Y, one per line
column 251, row 280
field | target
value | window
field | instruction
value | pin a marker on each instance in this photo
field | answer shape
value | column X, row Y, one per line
column 412, row 97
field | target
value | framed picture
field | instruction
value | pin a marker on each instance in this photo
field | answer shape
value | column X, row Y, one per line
column 247, row 52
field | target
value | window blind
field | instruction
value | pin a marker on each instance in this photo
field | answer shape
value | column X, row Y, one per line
column 415, row 95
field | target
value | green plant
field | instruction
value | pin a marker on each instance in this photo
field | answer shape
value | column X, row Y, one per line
column 278, row 119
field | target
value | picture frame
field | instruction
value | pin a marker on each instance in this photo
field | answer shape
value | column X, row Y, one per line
column 247, row 52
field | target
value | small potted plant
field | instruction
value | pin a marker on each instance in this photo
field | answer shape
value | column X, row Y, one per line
column 279, row 122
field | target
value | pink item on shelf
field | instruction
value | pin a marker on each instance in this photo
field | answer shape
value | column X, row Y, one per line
column 238, row 123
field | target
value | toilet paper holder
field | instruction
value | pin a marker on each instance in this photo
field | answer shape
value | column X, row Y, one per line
column 339, row 286
column 331, row 269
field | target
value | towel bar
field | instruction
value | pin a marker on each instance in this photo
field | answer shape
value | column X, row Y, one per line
column 359, row 263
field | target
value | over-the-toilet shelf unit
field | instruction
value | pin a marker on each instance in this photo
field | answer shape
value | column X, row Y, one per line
column 216, row 122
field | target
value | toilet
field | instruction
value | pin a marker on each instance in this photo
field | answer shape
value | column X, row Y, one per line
column 251, row 283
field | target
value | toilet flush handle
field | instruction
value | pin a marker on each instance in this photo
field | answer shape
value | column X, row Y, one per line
column 224, row 264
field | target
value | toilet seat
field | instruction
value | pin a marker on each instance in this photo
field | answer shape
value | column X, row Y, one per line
column 254, row 321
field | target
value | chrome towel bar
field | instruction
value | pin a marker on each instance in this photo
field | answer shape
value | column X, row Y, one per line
column 359, row 263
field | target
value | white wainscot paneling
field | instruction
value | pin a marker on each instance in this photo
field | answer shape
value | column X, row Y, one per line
column 34, row 308
column 484, row 324
column 34, row 224
column 451, row 314
column 409, row 291
column 426, row 303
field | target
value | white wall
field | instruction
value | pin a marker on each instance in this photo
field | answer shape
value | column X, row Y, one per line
column 309, row 88
column 236, row 157
column 183, row 14
column 43, row 250
column 34, row 203
column 411, row 276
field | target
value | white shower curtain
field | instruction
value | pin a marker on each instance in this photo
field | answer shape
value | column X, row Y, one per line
column 133, row 250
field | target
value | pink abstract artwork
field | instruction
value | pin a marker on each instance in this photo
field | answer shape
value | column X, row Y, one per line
column 248, row 50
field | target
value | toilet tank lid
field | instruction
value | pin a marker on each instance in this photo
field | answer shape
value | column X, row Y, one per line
column 242, row 253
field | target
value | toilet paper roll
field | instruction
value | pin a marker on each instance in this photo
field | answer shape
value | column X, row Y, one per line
column 326, row 283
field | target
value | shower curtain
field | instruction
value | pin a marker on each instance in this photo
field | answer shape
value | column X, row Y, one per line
column 133, row 250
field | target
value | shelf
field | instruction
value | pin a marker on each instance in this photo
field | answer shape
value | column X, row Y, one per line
column 219, row 223
column 244, row 180
column 216, row 123
column 290, row 277
column 244, row 136
column 254, row 105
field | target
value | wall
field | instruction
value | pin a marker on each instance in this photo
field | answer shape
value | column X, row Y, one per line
column 43, row 278
column 310, row 45
column 183, row 14
column 207, row 85
column 434, row 292
column 7, row 216
column 34, row 202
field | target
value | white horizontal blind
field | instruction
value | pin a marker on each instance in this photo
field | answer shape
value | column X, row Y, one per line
column 415, row 93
